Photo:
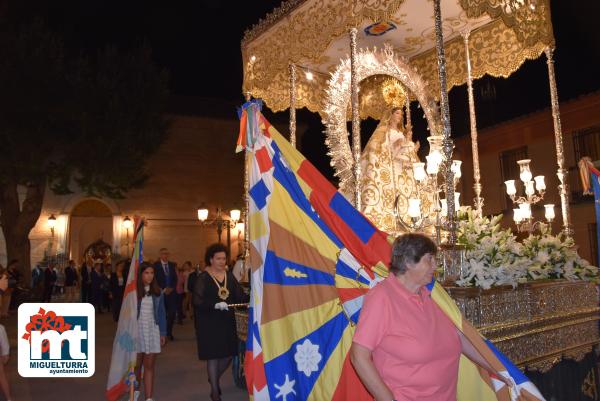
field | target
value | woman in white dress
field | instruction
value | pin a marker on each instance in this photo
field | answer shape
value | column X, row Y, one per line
column 152, row 326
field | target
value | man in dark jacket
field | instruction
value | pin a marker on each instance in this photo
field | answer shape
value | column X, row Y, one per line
column 165, row 274
column 70, row 281
column 49, row 281
column 86, row 282
column 96, row 279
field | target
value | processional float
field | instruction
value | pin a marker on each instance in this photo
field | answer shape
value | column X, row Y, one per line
column 328, row 56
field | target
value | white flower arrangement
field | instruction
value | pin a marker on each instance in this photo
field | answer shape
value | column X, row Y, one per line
column 555, row 257
column 494, row 256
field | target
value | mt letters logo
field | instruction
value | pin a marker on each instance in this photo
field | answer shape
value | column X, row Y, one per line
column 56, row 340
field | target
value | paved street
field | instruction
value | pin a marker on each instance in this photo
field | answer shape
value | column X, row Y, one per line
column 180, row 375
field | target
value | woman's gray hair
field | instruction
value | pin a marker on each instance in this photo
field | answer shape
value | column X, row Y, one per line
column 409, row 249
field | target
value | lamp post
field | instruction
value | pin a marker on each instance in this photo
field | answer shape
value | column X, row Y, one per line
column 220, row 221
column 127, row 225
column 51, row 225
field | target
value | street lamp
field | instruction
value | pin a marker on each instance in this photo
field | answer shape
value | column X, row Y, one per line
column 52, row 223
column 127, row 225
column 202, row 213
column 220, row 221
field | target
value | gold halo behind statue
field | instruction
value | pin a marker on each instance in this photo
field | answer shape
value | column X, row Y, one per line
column 378, row 94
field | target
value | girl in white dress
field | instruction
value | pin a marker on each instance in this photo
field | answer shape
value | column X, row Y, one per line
column 152, row 325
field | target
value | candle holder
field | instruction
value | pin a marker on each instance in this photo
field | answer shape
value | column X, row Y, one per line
column 524, row 220
column 534, row 190
column 426, row 176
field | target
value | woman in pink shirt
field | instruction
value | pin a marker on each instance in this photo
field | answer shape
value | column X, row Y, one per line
column 405, row 348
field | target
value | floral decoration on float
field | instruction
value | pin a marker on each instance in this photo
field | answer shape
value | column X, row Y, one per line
column 495, row 257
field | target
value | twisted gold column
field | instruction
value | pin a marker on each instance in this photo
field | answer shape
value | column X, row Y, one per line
column 356, row 150
column 477, row 187
column 447, row 144
column 562, row 173
column 293, row 104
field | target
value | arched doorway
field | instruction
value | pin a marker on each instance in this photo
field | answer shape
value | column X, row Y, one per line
column 91, row 222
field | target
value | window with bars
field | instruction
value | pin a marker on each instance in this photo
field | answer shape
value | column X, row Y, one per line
column 510, row 170
column 587, row 143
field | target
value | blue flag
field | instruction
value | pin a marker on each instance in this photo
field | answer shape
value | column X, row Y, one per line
column 595, row 178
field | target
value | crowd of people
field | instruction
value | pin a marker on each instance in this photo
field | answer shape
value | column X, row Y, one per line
column 400, row 307
column 167, row 293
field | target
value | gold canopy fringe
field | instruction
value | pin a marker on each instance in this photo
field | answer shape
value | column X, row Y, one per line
column 506, row 55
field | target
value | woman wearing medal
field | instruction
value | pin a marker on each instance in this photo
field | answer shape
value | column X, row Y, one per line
column 216, row 335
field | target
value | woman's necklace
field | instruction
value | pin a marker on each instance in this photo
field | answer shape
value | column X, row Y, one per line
column 223, row 292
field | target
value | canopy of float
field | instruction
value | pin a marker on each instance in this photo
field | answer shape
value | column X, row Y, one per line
column 314, row 35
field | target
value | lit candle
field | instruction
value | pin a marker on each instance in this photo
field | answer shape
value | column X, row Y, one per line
column 436, row 156
column 540, row 185
column 456, row 168
column 525, row 172
column 549, row 212
column 444, row 207
column 419, row 171
column 414, row 208
column 517, row 215
column 511, row 189
column 529, row 190
column 525, row 211
column 432, row 166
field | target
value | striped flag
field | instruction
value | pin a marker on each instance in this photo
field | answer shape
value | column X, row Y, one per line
column 595, row 181
column 590, row 183
column 313, row 258
column 123, row 357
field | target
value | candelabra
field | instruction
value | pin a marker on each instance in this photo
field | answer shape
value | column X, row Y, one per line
column 534, row 190
column 427, row 182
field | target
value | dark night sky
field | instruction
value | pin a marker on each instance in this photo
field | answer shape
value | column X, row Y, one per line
column 198, row 42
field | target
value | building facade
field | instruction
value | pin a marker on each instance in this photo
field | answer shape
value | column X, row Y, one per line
column 196, row 164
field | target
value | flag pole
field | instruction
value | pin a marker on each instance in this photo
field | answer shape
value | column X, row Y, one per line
column 131, row 383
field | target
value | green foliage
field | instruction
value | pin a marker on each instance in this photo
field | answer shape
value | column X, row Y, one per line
column 77, row 122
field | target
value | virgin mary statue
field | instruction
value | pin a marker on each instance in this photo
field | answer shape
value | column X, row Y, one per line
column 386, row 164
